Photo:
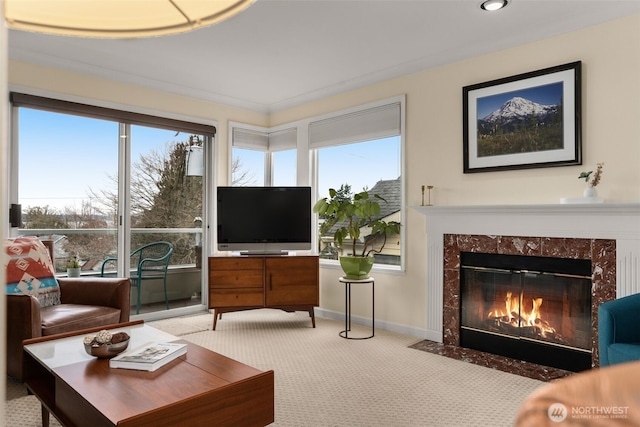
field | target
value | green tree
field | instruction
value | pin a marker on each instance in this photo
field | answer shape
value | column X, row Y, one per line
column 43, row 217
column 88, row 247
column 163, row 196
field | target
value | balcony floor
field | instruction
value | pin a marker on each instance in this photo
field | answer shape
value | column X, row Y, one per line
column 160, row 306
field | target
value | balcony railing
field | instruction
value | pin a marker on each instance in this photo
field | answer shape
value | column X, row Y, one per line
column 184, row 279
column 91, row 246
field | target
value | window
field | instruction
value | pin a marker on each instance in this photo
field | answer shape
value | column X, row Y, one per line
column 247, row 167
column 165, row 201
column 361, row 150
column 65, row 161
column 101, row 183
column 360, row 165
column 282, row 157
column 370, row 165
column 284, row 168
column 262, row 158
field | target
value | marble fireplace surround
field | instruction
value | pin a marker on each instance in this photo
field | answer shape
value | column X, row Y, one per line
column 601, row 252
column 608, row 234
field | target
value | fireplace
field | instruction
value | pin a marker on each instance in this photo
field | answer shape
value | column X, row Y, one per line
column 608, row 234
column 600, row 253
column 529, row 308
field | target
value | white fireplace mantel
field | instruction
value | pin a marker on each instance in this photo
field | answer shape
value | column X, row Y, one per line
column 619, row 222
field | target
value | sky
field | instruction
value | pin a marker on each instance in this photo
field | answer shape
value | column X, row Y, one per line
column 550, row 94
column 67, row 147
column 360, row 165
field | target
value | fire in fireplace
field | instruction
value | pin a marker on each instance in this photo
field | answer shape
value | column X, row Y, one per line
column 530, row 308
column 519, row 318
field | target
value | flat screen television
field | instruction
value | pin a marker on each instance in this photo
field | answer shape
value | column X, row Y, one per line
column 264, row 220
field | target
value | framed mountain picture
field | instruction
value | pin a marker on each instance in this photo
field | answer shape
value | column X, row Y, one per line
column 530, row 120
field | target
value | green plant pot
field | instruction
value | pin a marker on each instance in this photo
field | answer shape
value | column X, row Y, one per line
column 356, row 267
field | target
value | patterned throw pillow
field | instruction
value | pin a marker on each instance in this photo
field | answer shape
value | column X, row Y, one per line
column 30, row 271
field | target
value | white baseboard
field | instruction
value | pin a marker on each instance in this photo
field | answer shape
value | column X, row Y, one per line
column 379, row 324
column 166, row 314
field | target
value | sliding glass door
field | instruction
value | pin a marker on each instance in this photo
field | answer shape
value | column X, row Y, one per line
column 166, row 206
column 67, row 168
column 101, row 190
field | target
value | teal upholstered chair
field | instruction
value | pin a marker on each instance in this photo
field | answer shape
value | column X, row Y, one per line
column 151, row 262
column 619, row 330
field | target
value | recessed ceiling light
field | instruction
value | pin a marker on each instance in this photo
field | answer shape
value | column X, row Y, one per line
column 492, row 5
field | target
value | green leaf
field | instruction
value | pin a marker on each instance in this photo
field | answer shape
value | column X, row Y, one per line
column 380, row 197
column 585, row 175
column 320, row 207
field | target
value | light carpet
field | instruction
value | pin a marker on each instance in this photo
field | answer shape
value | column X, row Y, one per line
column 324, row 380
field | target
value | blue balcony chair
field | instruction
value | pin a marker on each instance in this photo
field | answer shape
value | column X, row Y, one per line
column 151, row 262
column 619, row 330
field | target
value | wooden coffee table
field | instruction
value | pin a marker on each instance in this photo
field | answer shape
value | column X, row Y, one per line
column 201, row 388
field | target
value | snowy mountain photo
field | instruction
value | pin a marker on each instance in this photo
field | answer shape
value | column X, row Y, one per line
column 524, row 121
column 518, row 110
column 520, row 125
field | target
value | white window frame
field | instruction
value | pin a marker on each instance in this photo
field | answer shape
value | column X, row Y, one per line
column 356, row 111
column 266, row 140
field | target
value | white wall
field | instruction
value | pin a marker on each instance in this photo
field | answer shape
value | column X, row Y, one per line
column 611, row 133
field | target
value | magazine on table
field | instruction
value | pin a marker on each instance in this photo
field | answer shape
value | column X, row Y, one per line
column 149, row 357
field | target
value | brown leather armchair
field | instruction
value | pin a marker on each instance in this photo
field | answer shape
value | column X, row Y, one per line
column 85, row 303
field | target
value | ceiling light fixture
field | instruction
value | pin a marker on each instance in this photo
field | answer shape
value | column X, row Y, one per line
column 118, row 18
column 492, row 5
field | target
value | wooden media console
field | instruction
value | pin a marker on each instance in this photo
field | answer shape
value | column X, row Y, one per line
column 247, row 282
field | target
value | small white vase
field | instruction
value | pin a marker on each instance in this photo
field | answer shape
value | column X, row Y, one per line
column 73, row 272
column 590, row 192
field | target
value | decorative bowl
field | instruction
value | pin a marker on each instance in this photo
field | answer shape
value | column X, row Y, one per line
column 106, row 351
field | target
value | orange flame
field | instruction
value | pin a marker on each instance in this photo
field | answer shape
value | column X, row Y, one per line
column 517, row 315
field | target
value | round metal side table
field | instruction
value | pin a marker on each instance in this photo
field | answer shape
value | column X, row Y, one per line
column 347, row 305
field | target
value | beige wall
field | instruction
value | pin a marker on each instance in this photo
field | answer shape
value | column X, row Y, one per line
column 52, row 82
column 611, row 133
column 610, row 55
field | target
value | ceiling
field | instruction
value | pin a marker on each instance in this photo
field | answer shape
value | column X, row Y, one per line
column 281, row 53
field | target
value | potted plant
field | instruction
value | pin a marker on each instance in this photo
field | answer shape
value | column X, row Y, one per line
column 355, row 213
column 73, row 267
column 592, row 180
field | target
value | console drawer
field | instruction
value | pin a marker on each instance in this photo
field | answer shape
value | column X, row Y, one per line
column 235, row 263
column 235, row 279
column 236, row 298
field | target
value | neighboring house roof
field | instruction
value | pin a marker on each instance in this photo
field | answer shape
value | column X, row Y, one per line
column 389, row 190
